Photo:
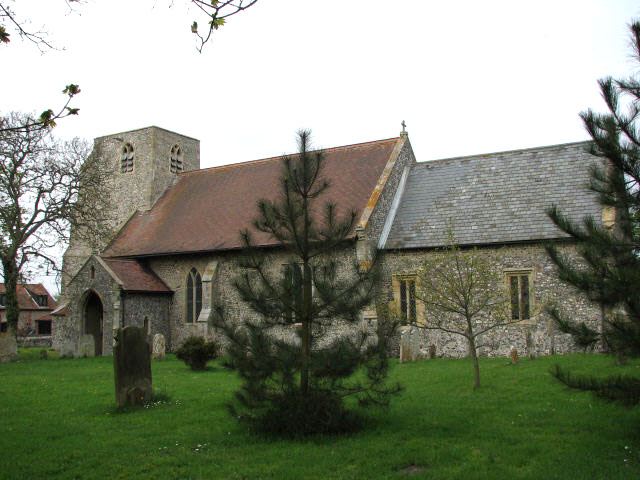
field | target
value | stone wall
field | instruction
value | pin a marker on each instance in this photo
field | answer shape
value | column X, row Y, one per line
column 154, row 308
column 547, row 289
column 174, row 270
column 379, row 215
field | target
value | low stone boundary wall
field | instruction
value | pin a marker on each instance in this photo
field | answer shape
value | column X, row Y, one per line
column 43, row 341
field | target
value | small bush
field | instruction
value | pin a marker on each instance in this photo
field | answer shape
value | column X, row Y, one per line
column 195, row 352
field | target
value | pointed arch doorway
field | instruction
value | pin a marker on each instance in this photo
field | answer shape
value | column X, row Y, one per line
column 93, row 320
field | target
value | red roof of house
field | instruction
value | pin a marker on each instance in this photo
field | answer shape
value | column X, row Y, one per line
column 135, row 276
column 26, row 301
column 205, row 210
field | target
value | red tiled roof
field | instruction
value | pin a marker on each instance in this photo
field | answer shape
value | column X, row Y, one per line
column 205, row 210
column 135, row 276
column 25, row 301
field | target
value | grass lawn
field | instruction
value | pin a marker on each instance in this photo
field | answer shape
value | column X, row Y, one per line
column 58, row 421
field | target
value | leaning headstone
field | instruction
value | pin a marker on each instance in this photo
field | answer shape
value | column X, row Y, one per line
column 159, row 347
column 409, row 344
column 68, row 349
column 44, row 354
column 86, row 346
column 132, row 367
column 513, row 353
column 8, row 348
column 432, row 351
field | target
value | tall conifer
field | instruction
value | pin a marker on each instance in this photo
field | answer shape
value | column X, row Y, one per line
column 296, row 367
column 609, row 272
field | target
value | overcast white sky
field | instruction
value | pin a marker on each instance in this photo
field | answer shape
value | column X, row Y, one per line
column 467, row 76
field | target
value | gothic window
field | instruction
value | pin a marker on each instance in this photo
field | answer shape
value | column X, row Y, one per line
column 176, row 159
column 407, row 294
column 193, row 296
column 3, row 299
column 520, row 290
column 126, row 158
column 404, row 296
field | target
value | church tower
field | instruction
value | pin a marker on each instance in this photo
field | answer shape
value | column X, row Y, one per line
column 139, row 165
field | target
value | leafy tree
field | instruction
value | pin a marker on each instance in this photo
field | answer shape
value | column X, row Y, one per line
column 296, row 370
column 46, row 186
column 609, row 270
column 463, row 295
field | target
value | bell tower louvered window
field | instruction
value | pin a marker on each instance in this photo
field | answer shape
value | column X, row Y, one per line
column 176, row 159
column 126, row 159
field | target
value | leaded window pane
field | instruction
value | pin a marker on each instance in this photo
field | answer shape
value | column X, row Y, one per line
column 198, row 296
column 403, row 299
column 524, row 296
column 190, row 298
column 412, row 301
column 515, row 298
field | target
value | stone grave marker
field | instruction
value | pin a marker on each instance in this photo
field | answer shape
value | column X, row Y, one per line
column 513, row 353
column 409, row 344
column 132, row 367
column 159, row 347
column 8, row 348
column 86, row 346
column 68, row 349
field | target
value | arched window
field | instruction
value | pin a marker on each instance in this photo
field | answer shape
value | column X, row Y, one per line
column 193, row 296
column 176, row 159
column 126, row 158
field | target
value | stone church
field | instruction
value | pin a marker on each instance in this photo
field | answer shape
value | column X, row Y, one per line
column 174, row 242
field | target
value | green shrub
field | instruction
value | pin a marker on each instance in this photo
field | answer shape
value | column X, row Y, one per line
column 195, row 352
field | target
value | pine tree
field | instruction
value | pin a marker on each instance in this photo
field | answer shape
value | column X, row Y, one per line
column 609, row 273
column 296, row 372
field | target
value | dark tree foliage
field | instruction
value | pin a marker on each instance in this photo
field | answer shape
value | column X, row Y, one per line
column 610, row 271
column 296, row 371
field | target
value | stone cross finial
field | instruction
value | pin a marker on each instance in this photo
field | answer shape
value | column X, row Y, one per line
column 403, row 133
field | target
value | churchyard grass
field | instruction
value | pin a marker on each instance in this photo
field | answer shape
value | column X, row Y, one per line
column 59, row 421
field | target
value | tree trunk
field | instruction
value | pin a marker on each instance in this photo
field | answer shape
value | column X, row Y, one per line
column 10, row 272
column 474, row 358
column 306, row 328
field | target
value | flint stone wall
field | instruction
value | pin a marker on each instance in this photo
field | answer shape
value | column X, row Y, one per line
column 547, row 289
column 174, row 270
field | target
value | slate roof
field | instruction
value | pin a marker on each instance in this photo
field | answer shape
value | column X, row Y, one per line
column 135, row 276
column 494, row 198
column 25, row 301
column 205, row 210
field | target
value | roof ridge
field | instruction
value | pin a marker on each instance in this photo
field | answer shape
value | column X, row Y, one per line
column 479, row 155
column 267, row 159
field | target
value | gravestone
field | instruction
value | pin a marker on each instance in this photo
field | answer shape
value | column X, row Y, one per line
column 432, row 351
column 86, row 346
column 409, row 344
column 8, row 348
column 68, row 349
column 159, row 347
column 132, row 367
column 513, row 353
